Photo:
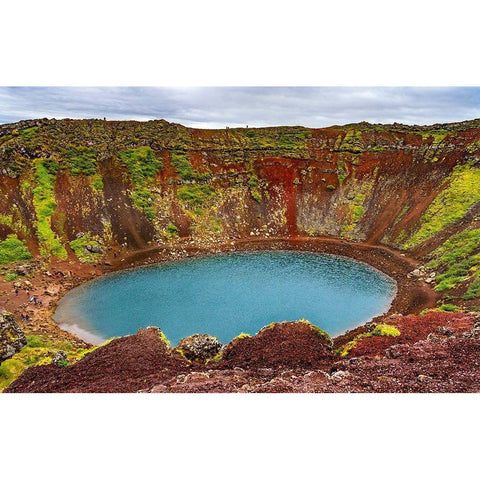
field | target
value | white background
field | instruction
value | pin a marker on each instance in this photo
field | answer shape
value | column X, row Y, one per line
column 243, row 43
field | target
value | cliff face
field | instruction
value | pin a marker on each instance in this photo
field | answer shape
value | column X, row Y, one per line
column 74, row 188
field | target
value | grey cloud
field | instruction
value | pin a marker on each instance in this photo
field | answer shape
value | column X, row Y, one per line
column 212, row 107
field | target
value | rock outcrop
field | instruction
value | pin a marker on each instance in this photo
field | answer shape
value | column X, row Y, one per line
column 12, row 338
column 199, row 347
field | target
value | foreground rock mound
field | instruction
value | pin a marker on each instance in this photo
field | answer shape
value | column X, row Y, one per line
column 288, row 344
column 122, row 365
column 12, row 338
column 438, row 352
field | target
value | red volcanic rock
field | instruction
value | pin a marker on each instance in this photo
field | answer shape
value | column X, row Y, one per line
column 284, row 357
column 123, row 365
column 288, row 344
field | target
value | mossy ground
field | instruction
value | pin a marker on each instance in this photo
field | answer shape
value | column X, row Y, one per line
column 13, row 250
column 143, row 166
column 459, row 258
column 45, row 204
column 450, row 205
column 79, row 246
column 40, row 350
column 380, row 330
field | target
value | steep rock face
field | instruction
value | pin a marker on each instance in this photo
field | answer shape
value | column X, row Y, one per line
column 68, row 183
column 12, row 338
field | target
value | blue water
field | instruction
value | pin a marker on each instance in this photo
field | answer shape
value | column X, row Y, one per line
column 225, row 295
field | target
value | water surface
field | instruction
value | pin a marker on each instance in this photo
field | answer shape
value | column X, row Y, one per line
column 227, row 294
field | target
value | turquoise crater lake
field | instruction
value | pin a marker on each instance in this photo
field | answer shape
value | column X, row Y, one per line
column 227, row 294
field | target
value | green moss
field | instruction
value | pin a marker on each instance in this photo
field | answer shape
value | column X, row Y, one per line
column 352, row 142
column 79, row 247
column 163, row 338
column 172, row 230
column 322, row 334
column 15, row 224
column 448, row 307
column 40, row 350
column 185, row 171
column 459, row 257
column 437, row 135
column 28, row 133
column 143, row 167
column 355, row 206
column 81, row 160
column 142, row 164
column 195, row 195
column 44, row 204
column 13, row 250
column 242, row 335
column 284, row 141
column 381, row 330
column 342, row 171
column 450, row 205
column 11, row 276
column 330, row 188
column 97, row 182
column 384, row 330
column 142, row 198
column 474, row 288
column 216, row 358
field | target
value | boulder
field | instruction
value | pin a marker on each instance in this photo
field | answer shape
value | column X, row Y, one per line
column 199, row 347
column 60, row 358
column 12, row 338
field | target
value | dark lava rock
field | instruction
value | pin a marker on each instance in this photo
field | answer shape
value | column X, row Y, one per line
column 12, row 338
column 199, row 347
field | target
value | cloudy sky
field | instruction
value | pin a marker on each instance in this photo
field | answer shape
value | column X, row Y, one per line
column 216, row 107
